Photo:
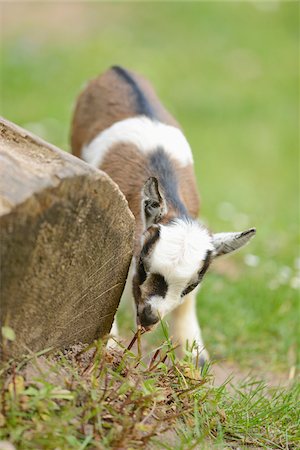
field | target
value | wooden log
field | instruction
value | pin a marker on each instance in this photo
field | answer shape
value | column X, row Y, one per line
column 66, row 244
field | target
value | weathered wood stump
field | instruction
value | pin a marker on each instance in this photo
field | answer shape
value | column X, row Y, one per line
column 66, row 244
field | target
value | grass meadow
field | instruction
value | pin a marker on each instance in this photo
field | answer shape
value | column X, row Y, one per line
column 229, row 73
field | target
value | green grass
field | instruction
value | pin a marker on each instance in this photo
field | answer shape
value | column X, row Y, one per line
column 229, row 72
column 89, row 398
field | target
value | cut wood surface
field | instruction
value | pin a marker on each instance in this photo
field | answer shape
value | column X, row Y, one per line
column 66, row 244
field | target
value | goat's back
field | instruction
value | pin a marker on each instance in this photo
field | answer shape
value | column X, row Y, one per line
column 115, row 95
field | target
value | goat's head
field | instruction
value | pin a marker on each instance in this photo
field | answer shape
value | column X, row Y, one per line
column 174, row 258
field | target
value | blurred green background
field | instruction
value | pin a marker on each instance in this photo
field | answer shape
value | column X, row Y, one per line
column 228, row 71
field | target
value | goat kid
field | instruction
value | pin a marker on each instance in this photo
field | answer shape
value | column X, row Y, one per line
column 120, row 126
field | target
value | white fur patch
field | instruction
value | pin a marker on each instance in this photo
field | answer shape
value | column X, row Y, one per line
column 178, row 256
column 144, row 133
column 180, row 250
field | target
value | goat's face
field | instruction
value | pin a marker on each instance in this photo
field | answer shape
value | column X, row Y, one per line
column 174, row 257
column 172, row 263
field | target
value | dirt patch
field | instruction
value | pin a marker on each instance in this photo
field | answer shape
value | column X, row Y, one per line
column 225, row 370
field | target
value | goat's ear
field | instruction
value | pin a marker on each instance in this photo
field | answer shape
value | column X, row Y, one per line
column 153, row 203
column 229, row 242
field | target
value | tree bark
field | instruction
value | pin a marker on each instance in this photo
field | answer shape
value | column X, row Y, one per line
column 66, row 244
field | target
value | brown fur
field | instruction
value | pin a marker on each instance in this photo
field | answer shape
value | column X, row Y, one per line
column 126, row 159
column 188, row 189
column 130, row 175
column 108, row 99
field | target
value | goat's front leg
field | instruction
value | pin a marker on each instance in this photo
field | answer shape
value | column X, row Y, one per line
column 186, row 330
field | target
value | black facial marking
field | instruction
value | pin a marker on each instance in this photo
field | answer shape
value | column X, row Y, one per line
column 143, row 105
column 205, row 265
column 150, row 242
column 141, row 272
column 189, row 289
column 136, row 289
column 159, row 286
column 161, row 165
column 201, row 273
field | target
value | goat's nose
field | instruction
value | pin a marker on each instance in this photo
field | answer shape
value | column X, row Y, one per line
column 148, row 317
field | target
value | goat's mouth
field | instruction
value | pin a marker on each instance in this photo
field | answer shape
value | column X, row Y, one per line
column 146, row 320
column 148, row 327
column 143, row 329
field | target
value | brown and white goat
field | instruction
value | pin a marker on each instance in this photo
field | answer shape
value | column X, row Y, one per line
column 120, row 126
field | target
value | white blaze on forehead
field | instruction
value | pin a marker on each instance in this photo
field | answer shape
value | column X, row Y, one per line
column 145, row 134
column 180, row 251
